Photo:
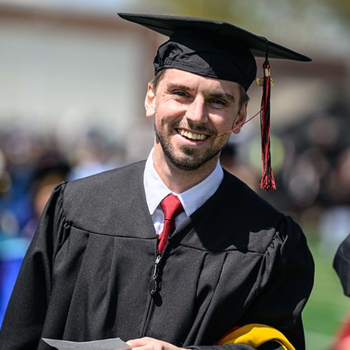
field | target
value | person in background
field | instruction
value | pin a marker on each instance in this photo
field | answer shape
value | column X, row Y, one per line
column 341, row 264
column 49, row 170
column 172, row 252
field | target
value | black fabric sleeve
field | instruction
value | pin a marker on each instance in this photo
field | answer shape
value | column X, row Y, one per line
column 223, row 347
column 285, row 285
column 270, row 346
column 26, row 311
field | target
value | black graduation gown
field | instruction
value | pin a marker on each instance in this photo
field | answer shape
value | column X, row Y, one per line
column 341, row 264
column 86, row 275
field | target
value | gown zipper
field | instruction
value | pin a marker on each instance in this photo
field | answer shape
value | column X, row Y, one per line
column 153, row 287
column 154, row 283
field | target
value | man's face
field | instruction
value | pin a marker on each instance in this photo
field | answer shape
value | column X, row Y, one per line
column 189, row 109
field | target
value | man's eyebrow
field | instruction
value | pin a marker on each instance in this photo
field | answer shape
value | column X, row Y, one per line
column 217, row 95
column 171, row 86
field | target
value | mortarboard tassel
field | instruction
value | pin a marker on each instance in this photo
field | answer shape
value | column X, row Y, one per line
column 267, row 181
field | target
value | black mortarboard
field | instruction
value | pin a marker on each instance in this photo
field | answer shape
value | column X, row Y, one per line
column 219, row 50
column 210, row 48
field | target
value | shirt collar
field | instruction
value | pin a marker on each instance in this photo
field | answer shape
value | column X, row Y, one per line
column 191, row 199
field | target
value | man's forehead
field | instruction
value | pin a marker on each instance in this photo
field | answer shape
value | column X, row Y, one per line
column 175, row 76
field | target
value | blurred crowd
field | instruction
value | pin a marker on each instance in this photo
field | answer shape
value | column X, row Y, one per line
column 31, row 165
column 312, row 170
column 311, row 164
column 315, row 177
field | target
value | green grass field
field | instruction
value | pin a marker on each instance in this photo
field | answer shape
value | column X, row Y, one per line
column 327, row 306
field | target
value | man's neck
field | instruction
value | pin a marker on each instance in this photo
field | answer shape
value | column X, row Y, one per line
column 179, row 180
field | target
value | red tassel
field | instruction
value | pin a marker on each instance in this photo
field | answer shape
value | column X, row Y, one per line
column 267, row 181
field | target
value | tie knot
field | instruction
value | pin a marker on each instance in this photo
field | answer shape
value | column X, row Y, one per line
column 171, row 206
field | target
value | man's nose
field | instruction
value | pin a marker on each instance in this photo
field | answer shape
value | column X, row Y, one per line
column 196, row 110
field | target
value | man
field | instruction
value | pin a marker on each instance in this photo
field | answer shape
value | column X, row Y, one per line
column 234, row 272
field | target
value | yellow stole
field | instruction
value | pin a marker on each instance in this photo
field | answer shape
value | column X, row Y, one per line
column 255, row 334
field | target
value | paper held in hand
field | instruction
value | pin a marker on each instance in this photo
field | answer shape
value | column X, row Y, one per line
column 105, row 344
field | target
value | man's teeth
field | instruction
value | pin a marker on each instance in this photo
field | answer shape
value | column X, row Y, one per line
column 192, row 136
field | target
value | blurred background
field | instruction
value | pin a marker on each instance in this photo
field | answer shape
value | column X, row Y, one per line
column 72, row 83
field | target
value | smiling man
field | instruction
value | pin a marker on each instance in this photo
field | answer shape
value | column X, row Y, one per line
column 188, row 110
column 172, row 252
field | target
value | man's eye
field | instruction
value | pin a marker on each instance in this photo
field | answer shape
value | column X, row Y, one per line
column 218, row 103
column 179, row 93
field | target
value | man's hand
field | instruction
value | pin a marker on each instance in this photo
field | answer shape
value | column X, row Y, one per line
column 150, row 344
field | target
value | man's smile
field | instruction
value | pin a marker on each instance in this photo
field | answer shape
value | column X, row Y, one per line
column 194, row 136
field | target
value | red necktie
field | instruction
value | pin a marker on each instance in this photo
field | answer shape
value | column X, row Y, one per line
column 172, row 207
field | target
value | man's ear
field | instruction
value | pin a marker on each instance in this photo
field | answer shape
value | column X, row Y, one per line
column 241, row 118
column 150, row 101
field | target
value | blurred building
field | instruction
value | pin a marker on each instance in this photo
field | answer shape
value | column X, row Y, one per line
column 75, row 66
column 72, row 71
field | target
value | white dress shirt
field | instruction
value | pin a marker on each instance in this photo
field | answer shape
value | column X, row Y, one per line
column 191, row 199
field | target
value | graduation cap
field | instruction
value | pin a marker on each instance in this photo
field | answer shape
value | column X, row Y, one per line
column 219, row 50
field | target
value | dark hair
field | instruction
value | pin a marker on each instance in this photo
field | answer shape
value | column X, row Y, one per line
column 243, row 96
column 155, row 81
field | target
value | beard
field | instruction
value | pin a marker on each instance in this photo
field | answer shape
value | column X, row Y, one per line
column 189, row 158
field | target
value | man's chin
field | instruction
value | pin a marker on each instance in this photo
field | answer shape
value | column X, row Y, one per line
column 187, row 162
column 186, row 166
column 190, row 162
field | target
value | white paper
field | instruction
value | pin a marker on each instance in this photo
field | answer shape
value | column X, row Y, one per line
column 105, row 344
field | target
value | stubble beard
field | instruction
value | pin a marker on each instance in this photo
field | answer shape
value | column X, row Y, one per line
column 189, row 160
